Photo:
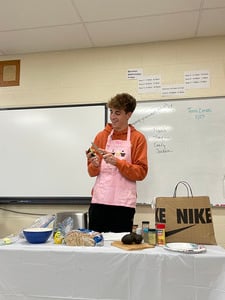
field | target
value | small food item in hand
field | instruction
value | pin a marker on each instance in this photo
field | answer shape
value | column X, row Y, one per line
column 90, row 150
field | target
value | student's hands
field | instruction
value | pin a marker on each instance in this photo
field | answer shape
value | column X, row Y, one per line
column 109, row 158
column 95, row 161
column 93, row 158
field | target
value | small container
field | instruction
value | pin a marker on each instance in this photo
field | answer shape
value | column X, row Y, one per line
column 145, row 226
column 152, row 237
column 160, row 234
column 145, row 229
column 134, row 228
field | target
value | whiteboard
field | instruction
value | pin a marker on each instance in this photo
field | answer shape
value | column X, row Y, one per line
column 42, row 151
column 186, row 141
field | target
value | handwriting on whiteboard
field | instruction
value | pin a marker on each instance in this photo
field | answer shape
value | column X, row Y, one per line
column 160, row 139
column 199, row 113
column 164, row 108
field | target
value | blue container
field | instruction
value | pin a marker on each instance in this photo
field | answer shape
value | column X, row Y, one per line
column 37, row 235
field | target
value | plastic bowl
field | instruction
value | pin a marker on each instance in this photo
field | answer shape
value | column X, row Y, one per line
column 37, row 235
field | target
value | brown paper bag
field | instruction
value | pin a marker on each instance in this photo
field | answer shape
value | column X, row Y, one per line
column 188, row 219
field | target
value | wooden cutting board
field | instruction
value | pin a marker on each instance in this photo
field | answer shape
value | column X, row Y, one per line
column 120, row 245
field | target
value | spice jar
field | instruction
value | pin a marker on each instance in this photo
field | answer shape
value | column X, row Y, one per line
column 160, row 234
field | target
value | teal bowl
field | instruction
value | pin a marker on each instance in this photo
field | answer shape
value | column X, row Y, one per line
column 37, row 235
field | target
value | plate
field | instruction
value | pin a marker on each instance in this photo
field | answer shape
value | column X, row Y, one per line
column 185, row 247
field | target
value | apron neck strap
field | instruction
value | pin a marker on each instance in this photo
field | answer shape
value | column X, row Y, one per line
column 128, row 133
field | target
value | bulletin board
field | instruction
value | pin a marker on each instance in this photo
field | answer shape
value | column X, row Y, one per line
column 42, row 153
column 186, row 141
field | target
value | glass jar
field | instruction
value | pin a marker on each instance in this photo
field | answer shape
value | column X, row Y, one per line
column 152, row 237
column 145, row 229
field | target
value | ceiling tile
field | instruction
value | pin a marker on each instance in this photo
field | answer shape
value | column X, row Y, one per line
column 21, row 14
column 48, row 39
column 144, row 29
column 96, row 10
column 212, row 22
column 213, row 3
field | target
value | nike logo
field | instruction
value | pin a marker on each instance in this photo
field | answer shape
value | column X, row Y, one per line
column 171, row 232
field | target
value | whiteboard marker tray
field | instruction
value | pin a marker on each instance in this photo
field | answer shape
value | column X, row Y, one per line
column 189, row 248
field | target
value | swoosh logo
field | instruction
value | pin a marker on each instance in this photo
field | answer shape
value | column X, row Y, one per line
column 171, row 232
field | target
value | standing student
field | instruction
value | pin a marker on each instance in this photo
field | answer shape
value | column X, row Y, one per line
column 121, row 161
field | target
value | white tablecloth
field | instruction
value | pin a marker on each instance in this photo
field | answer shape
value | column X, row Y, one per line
column 48, row 271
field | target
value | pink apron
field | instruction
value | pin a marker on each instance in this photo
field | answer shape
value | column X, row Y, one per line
column 111, row 187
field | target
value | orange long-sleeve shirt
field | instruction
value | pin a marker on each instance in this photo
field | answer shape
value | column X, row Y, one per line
column 138, row 168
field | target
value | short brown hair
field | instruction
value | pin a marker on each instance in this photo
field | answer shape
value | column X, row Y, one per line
column 123, row 101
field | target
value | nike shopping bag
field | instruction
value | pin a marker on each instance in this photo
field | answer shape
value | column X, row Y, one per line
column 187, row 219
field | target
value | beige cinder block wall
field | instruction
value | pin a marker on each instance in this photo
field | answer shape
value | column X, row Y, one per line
column 94, row 75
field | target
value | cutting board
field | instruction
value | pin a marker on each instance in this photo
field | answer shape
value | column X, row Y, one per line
column 120, row 245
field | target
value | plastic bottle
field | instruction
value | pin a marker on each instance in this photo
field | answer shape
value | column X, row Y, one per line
column 160, row 234
column 10, row 239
